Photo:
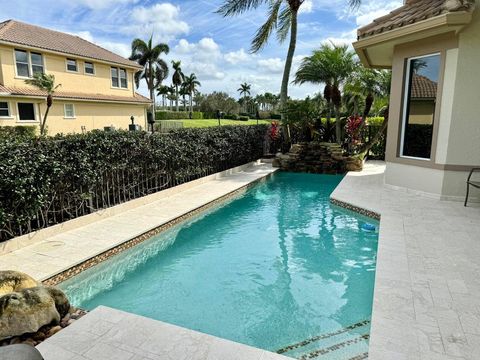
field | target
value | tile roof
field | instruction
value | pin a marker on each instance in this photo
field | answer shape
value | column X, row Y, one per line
column 74, row 96
column 423, row 87
column 16, row 32
column 413, row 11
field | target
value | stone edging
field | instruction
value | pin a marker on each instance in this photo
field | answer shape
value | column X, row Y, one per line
column 87, row 264
column 362, row 211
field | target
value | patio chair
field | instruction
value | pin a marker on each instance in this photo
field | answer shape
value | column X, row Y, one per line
column 470, row 182
column 20, row 352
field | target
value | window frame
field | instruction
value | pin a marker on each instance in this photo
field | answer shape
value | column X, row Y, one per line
column 76, row 65
column 405, row 105
column 118, row 71
column 35, row 113
column 9, row 116
column 85, row 68
column 28, row 63
column 74, row 116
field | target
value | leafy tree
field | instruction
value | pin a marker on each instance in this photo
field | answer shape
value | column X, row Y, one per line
column 163, row 91
column 331, row 65
column 282, row 18
column 177, row 78
column 45, row 83
column 191, row 84
column 155, row 69
column 218, row 101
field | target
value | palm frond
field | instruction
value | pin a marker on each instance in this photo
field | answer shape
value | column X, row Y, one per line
column 263, row 34
column 235, row 7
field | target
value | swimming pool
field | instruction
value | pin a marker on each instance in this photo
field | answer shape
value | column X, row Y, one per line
column 279, row 268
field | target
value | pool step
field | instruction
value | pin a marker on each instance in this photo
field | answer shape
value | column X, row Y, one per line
column 349, row 343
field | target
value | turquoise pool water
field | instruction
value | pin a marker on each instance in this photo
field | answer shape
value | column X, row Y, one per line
column 275, row 267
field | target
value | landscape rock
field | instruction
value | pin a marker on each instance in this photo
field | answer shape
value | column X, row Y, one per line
column 27, row 310
column 13, row 281
column 314, row 157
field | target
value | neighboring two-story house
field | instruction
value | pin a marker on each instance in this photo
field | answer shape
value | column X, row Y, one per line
column 97, row 86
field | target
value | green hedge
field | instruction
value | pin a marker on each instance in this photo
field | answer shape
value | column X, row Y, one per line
column 49, row 180
column 18, row 131
column 178, row 115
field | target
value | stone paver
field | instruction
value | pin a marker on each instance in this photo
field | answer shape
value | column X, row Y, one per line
column 47, row 258
column 427, row 287
column 125, row 336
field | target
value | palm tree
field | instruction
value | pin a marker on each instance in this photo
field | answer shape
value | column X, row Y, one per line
column 282, row 18
column 45, row 83
column 245, row 91
column 163, row 92
column 155, row 69
column 331, row 65
column 191, row 83
column 183, row 92
column 177, row 78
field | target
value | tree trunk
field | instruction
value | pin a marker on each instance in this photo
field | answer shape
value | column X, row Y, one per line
column 338, row 125
column 151, row 88
column 191, row 101
column 366, row 148
column 288, row 66
column 176, row 97
column 44, row 121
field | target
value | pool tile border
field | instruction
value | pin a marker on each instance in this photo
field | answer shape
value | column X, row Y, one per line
column 89, row 263
column 361, row 211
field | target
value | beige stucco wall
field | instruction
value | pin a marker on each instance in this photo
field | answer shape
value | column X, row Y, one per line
column 100, row 83
column 456, row 141
column 464, row 138
column 89, row 114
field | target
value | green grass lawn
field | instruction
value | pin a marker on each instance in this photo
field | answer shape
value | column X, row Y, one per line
column 214, row 122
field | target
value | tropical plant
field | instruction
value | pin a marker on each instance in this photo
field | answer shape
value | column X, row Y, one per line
column 245, row 91
column 330, row 65
column 177, row 78
column 183, row 92
column 282, row 19
column 163, row 92
column 155, row 69
column 191, row 83
column 210, row 103
column 45, row 83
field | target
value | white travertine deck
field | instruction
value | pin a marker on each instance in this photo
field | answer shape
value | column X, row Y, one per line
column 109, row 334
column 50, row 257
column 427, row 287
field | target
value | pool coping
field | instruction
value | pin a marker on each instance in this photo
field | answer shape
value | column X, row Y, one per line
column 119, row 248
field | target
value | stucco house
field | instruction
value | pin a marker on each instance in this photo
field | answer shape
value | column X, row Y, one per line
column 433, row 49
column 97, row 86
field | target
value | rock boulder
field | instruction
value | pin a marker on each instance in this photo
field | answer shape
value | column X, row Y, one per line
column 12, row 281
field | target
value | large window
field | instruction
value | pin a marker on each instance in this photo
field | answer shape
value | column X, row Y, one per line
column 4, row 109
column 28, row 63
column 72, row 65
column 89, row 68
column 69, row 111
column 26, row 111
column 119, row 78
column 21, row 61
column 419, row 106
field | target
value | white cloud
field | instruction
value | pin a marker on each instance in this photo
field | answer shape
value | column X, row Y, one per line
column 272, row 65
column 307, row 7
column 235, row 57
column 161, row 20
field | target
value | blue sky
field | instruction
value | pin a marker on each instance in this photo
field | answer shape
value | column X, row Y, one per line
column 216, row 49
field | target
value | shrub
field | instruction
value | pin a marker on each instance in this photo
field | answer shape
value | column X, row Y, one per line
column 275, row 116
column 231, row 117
column 243, row 118
column 178, row 115
column 18, row 131
column 46, row 181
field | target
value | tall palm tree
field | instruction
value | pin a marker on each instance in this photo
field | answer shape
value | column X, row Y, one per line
column 163, row 92
column 282, row 19
column 245, row 91
column 183, row 92
column 45, row 83
column 191, row 83
column 177, row 78
column 331, row 65
column 155, row 69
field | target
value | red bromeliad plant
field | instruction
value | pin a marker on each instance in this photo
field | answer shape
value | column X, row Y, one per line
column 352, row 129
column 274, row 130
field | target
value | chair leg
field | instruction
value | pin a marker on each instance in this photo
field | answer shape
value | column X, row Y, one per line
column 466, row 197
